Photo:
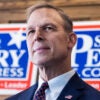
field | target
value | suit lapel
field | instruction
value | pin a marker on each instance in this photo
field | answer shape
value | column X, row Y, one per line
column 71, row 95
column 73, row 89
column 28, row 94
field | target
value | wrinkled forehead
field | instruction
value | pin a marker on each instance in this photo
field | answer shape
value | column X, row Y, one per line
column 44, row 15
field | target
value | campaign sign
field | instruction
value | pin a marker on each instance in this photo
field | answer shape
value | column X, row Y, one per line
column 15, row 69
column 86, row 53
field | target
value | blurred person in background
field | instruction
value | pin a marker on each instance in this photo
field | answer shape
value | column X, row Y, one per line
column 50, row 40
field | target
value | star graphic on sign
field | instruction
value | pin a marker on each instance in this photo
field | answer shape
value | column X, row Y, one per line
column 17, row 38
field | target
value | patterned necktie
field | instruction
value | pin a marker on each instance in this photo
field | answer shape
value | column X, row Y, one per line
column 40, row 94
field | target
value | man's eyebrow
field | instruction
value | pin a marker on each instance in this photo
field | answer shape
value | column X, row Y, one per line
column 42, row 25
column 46, row 24
column 29, row 27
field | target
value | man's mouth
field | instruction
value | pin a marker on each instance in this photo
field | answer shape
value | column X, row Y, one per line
column 41, row 49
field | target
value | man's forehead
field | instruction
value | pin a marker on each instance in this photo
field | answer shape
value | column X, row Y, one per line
column 43, row 16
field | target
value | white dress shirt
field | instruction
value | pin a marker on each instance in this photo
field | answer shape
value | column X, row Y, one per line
column 56, row 85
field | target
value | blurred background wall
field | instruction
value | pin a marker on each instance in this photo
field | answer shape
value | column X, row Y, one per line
column 13, row 11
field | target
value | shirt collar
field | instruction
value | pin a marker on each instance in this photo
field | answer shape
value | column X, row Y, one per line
column 59, row 81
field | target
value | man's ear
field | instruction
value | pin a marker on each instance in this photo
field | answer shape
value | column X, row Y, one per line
column 72, row 38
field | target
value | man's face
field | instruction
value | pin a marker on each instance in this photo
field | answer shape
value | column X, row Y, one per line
column 46, row 38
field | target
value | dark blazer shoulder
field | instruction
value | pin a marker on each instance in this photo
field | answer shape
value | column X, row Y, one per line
column 77, row 89
column 86, row 91
column 24, row 95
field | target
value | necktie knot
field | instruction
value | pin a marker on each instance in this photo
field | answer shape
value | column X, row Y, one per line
column 44, row 86
column 40, row 94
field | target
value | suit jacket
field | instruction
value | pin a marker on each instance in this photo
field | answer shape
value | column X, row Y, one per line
column 75, row 89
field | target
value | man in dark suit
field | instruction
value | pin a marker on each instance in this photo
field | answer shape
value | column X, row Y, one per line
column 50, row 39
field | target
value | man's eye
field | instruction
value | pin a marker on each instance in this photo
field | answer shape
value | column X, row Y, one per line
column 48, row 28
column 31, row 32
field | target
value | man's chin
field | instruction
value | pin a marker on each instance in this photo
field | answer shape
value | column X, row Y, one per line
column 39, row 63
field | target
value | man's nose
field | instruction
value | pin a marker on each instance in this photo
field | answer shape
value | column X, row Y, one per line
column 38, row 35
